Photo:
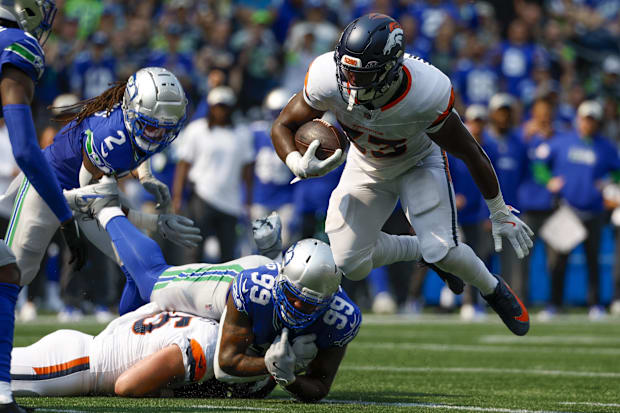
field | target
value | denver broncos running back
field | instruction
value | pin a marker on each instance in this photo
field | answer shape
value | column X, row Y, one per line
column 24, row 27
column 398, row 112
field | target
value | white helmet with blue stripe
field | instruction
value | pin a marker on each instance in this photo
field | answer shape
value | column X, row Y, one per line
column 154, row 108
column 309, row 275
column 32, row 16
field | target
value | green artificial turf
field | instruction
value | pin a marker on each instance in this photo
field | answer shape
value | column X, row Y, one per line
column 427, row 364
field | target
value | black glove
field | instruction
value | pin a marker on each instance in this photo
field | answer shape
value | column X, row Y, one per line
column 76, row 242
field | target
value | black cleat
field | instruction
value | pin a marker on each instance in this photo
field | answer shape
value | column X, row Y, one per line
column 455, row 284
column 509, row 307
column 14, row 408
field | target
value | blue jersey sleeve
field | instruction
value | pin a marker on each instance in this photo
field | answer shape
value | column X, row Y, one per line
column 22, row 50
column 340, row 323
column 107, row 143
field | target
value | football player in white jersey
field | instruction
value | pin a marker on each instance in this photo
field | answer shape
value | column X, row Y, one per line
column 136, row 355
column 398, row 112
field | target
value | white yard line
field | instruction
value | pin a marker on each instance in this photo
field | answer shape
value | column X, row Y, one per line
column 442, row 347
column 591, row 404
column 214, row 407
column 442, row 406
column 489, row 370
column 564, row 319
column 558, row 339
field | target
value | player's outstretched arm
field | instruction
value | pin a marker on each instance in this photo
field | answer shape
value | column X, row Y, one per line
column 454, row 137
column 152, row 373
column 16, row 89
column 316, row 383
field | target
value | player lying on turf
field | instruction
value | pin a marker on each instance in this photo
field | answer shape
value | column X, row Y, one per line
column 138, row 354
column 398, row 112
column 112, row 134
column 278, row 320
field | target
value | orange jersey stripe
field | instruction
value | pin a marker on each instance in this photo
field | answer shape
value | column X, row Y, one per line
column 446, row 165
column 447, row 111
column 62, row 366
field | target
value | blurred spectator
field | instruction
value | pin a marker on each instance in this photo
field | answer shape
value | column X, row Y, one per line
column 516, row 57
column 535, row 200
column 94, row 70
column 217, row 157
column 414, row 44
column 510, row 167
column 173, row 59
column 306, row 40
column 259, row 56
column 576, row 166
column 272, row 191
column 474, row 78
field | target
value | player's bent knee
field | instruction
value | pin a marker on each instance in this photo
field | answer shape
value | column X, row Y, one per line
column 355, row 268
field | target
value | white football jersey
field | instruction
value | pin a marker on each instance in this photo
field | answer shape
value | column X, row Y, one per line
column 142, row 332
column 392, row 139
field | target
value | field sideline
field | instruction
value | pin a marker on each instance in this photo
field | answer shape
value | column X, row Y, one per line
column 425, row 364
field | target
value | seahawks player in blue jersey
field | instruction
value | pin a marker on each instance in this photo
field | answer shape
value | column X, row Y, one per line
column 290, row 321
column 111, row 134
column 24, row 25
column 284, row 320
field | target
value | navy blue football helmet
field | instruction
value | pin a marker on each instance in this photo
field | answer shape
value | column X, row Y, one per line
column 369, row 57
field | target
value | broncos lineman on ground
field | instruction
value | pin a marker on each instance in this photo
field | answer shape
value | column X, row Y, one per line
column 398, row 112
column 24, row 26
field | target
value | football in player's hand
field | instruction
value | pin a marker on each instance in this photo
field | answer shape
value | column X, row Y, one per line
column 330, row 138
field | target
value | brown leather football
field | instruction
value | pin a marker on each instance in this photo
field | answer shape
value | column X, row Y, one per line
column 330, row 138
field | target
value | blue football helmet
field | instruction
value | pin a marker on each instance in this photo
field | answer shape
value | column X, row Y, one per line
column 308, row 274
column 32, row 16
column 154, row 109
column 369, row 57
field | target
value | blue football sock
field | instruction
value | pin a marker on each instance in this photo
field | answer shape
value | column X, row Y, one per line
column 130, row 299
column 8, row 298
column 140, row 255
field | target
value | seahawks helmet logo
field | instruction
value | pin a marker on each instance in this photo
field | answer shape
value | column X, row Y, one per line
column 395, row 39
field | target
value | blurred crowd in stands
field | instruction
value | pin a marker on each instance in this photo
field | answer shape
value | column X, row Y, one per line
column 538, row 85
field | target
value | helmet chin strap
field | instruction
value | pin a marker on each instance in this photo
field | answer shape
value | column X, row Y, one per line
column 352, row 96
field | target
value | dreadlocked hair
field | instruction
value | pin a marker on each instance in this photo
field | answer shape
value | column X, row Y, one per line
column 85, row 108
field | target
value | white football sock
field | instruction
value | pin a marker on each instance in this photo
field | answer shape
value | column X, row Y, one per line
column 106, row 214
column 465, row 264
column 6, row 395
column 395, row 248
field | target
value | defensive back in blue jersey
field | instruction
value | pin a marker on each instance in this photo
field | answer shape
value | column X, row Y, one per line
column 104, row 139
column 22, row 50
column 252, row 292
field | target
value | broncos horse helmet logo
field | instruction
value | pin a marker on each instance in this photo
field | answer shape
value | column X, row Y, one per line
column 394, row 39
